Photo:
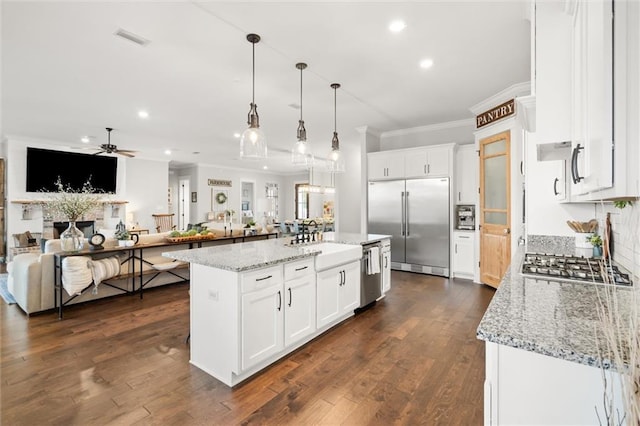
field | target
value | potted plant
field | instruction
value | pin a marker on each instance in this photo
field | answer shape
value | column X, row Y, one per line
column 72, row 204
column 124, row 238
column 596, row 242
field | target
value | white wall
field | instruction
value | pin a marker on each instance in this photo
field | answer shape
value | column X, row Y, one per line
column 349, row 195
column 460, row 132
column 144, row 198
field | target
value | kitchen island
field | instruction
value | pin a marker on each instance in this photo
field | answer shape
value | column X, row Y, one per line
column 542, row 361
column 253, row 303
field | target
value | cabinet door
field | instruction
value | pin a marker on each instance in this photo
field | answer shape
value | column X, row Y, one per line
column 438, row 161
column 463, row 254
column 349, row 298
column 328, row 284
column 385, row 165
column 466, row 175
column 592, row 99
column 386, row 271
column 416, row 163
column 300, row 308
column 262, row 325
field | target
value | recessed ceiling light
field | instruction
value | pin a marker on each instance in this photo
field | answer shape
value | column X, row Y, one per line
column 265, row 167
column 143, row 114
column 167, row 152
column 397, row 26
column 236, row 135
column 426, row 63
column 85, row 139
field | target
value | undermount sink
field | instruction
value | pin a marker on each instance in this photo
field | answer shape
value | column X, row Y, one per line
column 333, row 254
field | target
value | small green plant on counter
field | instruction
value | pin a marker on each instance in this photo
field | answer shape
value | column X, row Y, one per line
column 122, row 235
column 595, row 240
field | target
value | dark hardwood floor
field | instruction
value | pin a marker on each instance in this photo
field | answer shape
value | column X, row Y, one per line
column 411, row 359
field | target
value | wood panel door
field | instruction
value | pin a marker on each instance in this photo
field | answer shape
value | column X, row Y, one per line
column 495, row 207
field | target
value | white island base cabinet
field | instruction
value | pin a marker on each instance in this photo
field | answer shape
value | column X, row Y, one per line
column 526, row 388
column 241, row 322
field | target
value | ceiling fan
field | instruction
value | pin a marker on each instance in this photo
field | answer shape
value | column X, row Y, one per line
column 112, row 149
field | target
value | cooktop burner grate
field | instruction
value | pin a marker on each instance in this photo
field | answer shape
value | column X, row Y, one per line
column 572, row 268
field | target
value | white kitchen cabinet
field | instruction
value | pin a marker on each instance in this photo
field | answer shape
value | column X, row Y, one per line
column 431, row 161
column 569, row 392
column 463, row 254
column 262, row 322
column 262, row 315
column 386, row 165
column 300, row 301
column 338, row 292
column 466, row 175
column 426, row 162
column 592, row 97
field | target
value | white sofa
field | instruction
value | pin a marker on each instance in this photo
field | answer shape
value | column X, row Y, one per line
column 31, row 275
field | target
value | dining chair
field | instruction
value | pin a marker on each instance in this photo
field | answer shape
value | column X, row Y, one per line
column 164, row 222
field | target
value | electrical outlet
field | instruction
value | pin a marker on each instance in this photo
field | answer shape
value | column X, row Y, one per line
column 214, row 295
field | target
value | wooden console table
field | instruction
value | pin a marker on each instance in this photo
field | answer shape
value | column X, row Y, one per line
column 133, row 253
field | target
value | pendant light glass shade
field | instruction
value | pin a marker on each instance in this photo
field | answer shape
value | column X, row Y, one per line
column 300, row 153
column 253, row 143
column 335, row 159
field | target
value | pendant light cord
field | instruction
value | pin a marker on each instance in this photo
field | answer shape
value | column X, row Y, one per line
column 335, row 120
column 301, row 68
column 253, row 74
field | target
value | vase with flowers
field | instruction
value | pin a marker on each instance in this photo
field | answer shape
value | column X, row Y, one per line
column 72, row 204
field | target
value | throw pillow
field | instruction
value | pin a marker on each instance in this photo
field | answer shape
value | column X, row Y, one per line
column 104, row 269
column 76, row 274
column 24, row 240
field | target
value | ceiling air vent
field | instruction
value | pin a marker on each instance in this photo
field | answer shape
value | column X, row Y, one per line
column 132, row 37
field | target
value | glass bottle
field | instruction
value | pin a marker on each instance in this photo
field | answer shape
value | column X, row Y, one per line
column 72, row 239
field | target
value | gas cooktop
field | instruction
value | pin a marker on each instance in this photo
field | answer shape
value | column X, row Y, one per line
column 571, row 268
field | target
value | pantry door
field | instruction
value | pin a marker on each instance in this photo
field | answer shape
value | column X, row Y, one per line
column 495, row 207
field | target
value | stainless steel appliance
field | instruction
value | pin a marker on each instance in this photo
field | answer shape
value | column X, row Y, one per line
column 415, row 212
column 465, row 217
column 571, row 268
column 370, row 280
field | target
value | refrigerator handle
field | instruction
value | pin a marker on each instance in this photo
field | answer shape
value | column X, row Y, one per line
column 402, row 213
column 406, row 212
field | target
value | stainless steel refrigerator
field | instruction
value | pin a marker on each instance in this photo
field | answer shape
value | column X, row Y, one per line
column 415, row 212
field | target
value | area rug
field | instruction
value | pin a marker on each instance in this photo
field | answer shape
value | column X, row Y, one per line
column 4, row 291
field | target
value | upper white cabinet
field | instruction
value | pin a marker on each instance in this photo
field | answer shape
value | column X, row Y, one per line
column 386, row 165
column 466, row 175
column 425, row 162
column 552, row 72
column 592, row 96
column 431, row 161
column 587, row 92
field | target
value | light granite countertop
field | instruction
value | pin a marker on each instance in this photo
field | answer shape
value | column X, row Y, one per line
column 353, row 238
column 553, row 318
column 259, row 254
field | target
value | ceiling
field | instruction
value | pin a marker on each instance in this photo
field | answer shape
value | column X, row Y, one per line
column 66, row 75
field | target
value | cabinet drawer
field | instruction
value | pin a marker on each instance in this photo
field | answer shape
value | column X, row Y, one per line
column 261, row 278
column 299, row 269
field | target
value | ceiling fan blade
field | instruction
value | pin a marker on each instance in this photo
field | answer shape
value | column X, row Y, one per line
column 126, row 150
column 99, row 152
column 126, row 154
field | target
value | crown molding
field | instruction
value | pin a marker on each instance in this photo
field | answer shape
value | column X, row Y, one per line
column 429, row 128
column 511, row 92
column 368, row 130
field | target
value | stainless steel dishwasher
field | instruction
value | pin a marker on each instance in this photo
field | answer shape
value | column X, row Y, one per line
column 370, row 274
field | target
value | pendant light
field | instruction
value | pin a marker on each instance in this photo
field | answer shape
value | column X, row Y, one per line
column 335, row 160
column 253, row 143
column 300, row 154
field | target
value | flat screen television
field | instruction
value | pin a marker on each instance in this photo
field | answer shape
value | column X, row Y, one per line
column 44, row 166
